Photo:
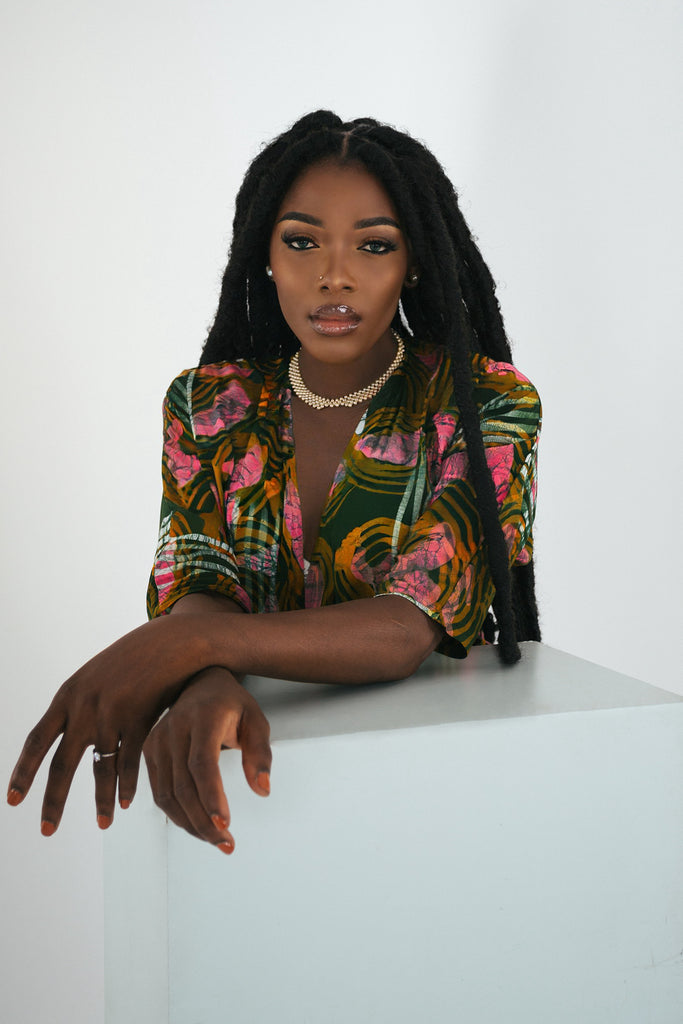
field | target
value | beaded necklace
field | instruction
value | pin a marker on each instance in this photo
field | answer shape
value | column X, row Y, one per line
column 348, row 401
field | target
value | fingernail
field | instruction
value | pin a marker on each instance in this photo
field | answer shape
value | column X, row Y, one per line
column 263, row 781
column 47, row 828
column 103, row 820
column 220, row 823
column 226, row 847
column 124, row 804
column 14, row 797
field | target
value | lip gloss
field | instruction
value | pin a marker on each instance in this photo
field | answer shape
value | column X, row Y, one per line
column 334, row 321
column 334, row 328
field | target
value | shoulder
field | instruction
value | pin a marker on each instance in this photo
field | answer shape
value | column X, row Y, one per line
column 506, row 400
column 491, row 375
column 504, row 393
column 219, row 396
column 431, row 366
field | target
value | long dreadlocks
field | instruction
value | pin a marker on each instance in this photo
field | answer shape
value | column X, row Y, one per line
column 454, row 304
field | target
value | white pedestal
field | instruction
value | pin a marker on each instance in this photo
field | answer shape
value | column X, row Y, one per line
column 474, row 844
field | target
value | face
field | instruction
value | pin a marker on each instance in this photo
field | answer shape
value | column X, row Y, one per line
column 339, row 260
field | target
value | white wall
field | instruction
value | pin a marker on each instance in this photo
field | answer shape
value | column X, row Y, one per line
column 126, row 134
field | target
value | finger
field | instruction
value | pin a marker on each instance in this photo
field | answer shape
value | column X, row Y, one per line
column 105, row 757
column 257, row 757
column 160, row 771
column 37, row 744
column 62, row 768
column 200, row 761
column 203, row 764
column 128, row 767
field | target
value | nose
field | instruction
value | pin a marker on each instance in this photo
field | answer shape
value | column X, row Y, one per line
column 336, row 275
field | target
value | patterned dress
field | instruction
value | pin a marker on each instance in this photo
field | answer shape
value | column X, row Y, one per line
column 400, row 516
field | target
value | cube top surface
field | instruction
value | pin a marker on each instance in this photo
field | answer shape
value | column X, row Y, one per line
column 479, row 688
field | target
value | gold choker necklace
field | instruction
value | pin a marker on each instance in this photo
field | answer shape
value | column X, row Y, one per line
column 348, row 401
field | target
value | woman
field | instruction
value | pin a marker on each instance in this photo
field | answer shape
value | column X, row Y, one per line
column 355, row 430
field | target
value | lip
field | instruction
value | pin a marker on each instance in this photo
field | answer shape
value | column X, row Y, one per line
column 334, row 320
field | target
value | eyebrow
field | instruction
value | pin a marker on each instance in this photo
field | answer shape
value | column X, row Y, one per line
column 369, row 222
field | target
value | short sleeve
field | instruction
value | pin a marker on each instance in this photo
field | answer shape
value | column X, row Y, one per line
column 441, row 564
column 194, row 553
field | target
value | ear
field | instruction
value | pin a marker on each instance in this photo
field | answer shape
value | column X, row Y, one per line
column 412, row 278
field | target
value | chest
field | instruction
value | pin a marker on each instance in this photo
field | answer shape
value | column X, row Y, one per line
column 321, row 436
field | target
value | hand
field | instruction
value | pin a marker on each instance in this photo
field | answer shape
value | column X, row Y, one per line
column 112, row 702
column 213, row 712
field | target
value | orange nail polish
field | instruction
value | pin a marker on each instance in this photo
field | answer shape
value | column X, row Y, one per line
column 103, row 821
column 226, row 847
column 47, row 828
column 14, row 797
column 124, row 804
column 263, row 781
column 220, row 822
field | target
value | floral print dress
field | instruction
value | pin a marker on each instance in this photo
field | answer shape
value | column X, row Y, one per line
column 400, row 516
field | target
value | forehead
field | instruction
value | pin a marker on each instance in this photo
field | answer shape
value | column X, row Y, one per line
column 345, row 191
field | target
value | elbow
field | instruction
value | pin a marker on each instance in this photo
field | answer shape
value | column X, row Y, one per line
column 416, row 656
column 410, row 645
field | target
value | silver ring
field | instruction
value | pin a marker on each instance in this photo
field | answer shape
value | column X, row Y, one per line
column 97, row 756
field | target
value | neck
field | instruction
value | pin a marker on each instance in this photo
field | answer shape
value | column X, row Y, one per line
column 334, row 379
column 349, row 399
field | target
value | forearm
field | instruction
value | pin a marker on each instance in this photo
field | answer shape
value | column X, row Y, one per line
column 370, row 640
column 205, row 602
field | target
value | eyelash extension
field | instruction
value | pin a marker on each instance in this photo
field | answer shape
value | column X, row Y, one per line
column 388, row 245
column 289, row 238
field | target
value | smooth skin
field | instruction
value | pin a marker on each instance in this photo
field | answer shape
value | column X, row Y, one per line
column 190, row 663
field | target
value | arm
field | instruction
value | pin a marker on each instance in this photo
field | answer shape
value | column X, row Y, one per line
column 365, row 641
column 116, row 697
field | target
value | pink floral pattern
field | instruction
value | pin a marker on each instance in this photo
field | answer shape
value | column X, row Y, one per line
column 445, row 425
column 249, row 469
column 183, row 466
column 227, row 410
column 293, row 522
column 400, row 449
column 504, row 370
column 500, row 461
column 362, row 569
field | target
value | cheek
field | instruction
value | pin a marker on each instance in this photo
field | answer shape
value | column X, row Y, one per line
column 287, row 285
column 389, row 273
column 390, row 284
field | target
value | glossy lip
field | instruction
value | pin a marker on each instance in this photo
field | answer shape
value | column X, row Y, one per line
column 334, row 320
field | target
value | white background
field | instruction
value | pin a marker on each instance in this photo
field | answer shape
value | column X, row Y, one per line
column 126, row 130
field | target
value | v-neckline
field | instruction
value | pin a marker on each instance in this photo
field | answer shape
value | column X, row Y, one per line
column 292, row 493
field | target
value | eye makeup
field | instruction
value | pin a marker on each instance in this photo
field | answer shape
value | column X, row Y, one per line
column 292, row 238
column 303, row 243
